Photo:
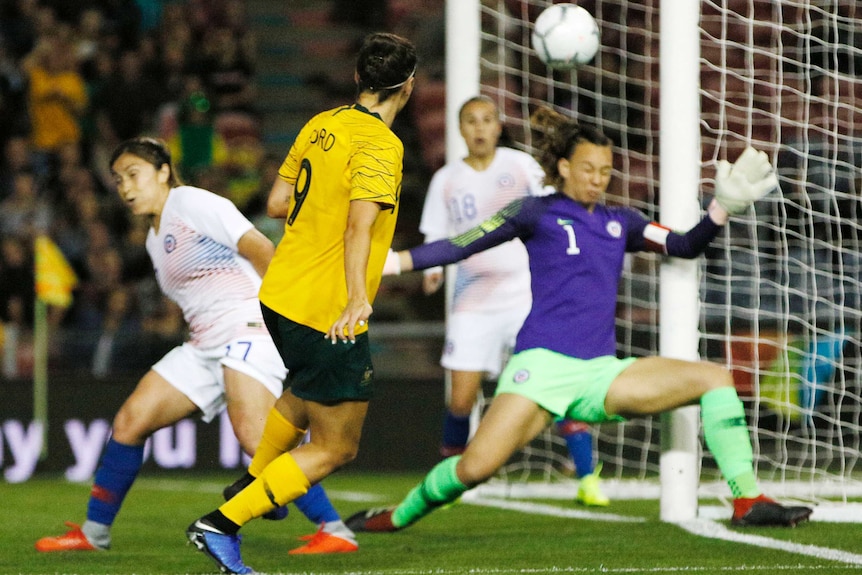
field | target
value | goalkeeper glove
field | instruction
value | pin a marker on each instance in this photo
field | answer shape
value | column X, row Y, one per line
column 392, row 267
column 742, row 183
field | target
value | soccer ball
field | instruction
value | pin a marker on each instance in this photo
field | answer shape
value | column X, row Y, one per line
column 565, row 36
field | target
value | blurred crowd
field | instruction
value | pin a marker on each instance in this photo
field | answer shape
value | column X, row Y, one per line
column 77, row 78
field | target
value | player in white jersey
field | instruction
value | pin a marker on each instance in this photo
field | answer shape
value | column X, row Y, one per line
column 209, row 259
column 491, row 294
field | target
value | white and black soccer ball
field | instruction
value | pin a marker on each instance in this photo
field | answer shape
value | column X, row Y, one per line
column 565, row 36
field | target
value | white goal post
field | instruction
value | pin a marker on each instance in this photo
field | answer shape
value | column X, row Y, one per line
column 679, row 85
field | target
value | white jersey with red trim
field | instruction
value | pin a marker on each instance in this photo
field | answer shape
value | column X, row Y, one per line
column 194, row 254
column 460, row 197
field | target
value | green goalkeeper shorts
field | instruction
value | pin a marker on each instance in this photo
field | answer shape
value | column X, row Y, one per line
column 563, row 385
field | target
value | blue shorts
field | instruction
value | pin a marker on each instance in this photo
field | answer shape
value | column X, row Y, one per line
column 565, row 386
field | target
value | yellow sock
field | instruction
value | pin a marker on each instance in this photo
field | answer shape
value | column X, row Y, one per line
column 281, row 482
column 279, row 436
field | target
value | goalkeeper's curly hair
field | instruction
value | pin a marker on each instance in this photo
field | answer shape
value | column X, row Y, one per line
column 556, row 137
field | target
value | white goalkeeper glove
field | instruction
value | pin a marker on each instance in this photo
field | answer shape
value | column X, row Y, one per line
column 742, row 183
column 392, row 267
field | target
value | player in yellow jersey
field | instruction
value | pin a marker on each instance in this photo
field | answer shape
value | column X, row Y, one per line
column 338, row 190
column 340, row 157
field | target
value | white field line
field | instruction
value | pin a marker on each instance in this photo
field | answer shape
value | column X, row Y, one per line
column 699, row 527
column 158, row 484
column 626, row 489
column 713, row 530
column 508, row 498
column 542, row 509
column 553, row 570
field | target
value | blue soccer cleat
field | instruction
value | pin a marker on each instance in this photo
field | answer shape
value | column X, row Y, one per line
column 221, row 547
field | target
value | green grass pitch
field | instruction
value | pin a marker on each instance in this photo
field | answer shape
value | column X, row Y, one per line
column 461, row 539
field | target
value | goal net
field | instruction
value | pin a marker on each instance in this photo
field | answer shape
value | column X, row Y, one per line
column 780, row 288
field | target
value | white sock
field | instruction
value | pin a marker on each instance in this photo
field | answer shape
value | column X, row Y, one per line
column 339, row 529
column 98, row 534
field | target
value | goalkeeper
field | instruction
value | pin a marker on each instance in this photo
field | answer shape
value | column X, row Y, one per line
column 491, row 291
column 564, row 362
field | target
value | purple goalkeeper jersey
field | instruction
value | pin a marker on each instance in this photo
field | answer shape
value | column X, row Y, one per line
column 576, row 261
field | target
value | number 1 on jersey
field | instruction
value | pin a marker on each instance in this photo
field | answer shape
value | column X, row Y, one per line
column 573, row 248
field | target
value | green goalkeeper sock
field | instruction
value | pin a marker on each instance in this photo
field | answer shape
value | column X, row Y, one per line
column 726, row 435
column 440, row 486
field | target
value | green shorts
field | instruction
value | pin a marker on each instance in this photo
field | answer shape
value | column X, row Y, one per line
column 318, row 370
column 563, row 385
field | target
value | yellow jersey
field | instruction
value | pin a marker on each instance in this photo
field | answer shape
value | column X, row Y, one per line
column 339, row 156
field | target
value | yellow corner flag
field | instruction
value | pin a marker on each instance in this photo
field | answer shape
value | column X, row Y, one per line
column 55, row 278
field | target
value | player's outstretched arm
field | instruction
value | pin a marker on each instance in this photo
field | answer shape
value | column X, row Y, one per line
column 499, row 228
column 742, row 183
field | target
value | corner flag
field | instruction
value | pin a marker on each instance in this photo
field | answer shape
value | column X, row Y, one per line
column 55, row 278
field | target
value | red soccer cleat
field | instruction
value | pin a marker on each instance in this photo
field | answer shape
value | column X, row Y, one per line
column 74, row 540
column 761, row 511
column 323, row 542
column 377, row 520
